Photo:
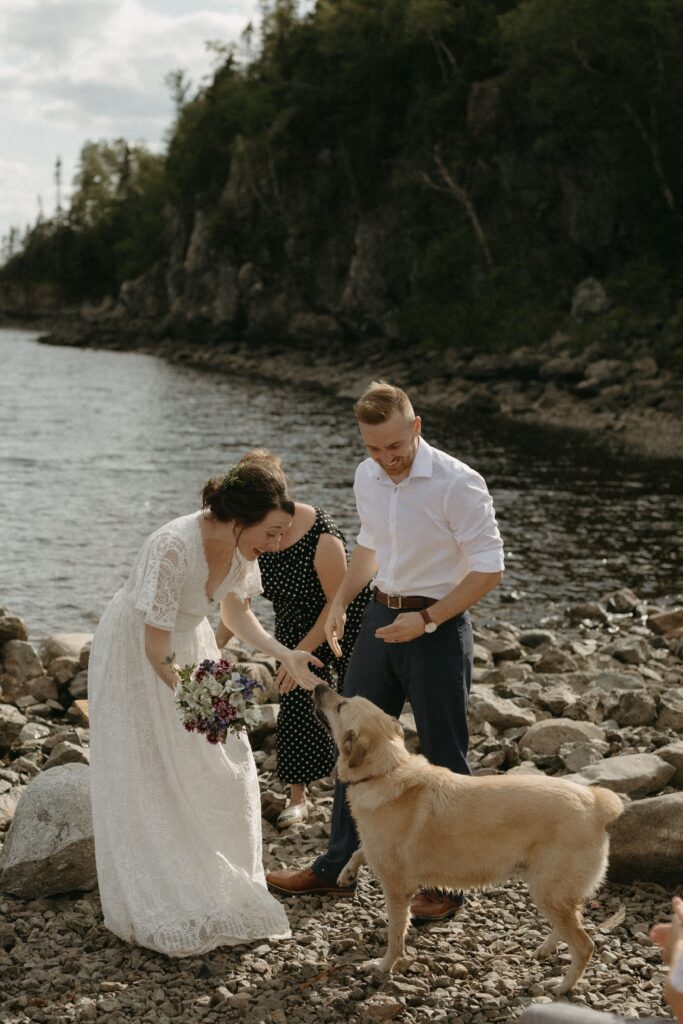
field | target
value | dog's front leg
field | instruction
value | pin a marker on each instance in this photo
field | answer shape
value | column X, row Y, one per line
column 398, row 916
column 349, row 873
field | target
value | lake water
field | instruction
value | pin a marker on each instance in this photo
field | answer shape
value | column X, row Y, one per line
column 99, row 448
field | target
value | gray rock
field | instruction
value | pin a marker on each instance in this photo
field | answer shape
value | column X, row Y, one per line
column 502, row 648
column 67, row 753
column 33, row 732
column 61, row 645
column 481, row 655
column 554, row 661
column 21, row 660
column 646, row 842
column 592, row 611
column 78, row 687
column 556, row 699
column 672, row 753
column 49, row 847
column 84, row 657
column 576, row 756
column 623, row 600
column 547, row 737
column 636, row 774
column 665, row 623
column 632, row 652
column 536, row 637
column 64, row 668
column 11, row 627
column 606, row 372
column 11, row 724
column 671, row 716
column 632, row 707
column 589, row 299
column 504, row 714
column 617, row 681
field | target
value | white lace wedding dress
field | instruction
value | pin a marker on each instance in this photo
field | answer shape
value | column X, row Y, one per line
column 177, row 821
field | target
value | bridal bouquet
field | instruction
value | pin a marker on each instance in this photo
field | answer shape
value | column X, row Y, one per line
column 216, row 697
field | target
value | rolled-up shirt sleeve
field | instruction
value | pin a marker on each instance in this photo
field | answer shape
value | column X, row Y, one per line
column 470, row 514
column 365, row 537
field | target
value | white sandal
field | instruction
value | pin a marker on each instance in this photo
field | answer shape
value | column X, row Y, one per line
column 292, row 815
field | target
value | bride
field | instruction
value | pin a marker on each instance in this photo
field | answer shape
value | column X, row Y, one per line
column 177, row 821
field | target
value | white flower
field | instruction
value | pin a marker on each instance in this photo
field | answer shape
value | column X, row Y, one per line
column 238, row 702
column 252, row 716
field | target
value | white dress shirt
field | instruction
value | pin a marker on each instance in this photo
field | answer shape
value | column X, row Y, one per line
column 431, row 529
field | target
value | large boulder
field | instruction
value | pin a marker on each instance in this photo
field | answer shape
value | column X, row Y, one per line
column 49, row 846
column 646, row 843
column 11, row 627
column 672, row 753
column 546, row 737
column 635, row 774
column 504, row 714
column 21, row 660
column 63, row 645
column 632, row 707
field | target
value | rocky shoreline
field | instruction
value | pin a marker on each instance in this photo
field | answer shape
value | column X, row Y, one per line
column 599, row 697
column 626, row 404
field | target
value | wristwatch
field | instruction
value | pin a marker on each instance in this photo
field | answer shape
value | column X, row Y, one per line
column 430, row 625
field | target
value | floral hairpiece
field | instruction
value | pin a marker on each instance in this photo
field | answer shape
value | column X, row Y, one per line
column 233, row 479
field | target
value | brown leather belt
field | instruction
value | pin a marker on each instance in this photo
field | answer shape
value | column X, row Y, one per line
column 398, row 602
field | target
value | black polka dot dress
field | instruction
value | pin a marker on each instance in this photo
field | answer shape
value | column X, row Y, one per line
column 305, row 750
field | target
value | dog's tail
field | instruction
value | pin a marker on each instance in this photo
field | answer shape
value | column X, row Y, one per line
column 609, row 804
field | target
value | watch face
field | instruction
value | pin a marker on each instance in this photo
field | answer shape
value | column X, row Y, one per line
column 430, row 627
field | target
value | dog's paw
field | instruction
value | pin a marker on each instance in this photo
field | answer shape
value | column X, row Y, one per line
column 545, row 950
column 378, row 967
column 347, row 876
column 386, row 966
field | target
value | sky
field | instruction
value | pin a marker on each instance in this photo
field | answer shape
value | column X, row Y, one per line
column 73, row 71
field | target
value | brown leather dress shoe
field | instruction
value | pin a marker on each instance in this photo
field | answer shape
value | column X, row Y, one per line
column 435, row 905
column 298, row 883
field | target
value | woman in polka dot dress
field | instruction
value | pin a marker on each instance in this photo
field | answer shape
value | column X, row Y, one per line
column 300, row 579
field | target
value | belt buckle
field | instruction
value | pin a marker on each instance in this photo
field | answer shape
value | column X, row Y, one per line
column 394, row 601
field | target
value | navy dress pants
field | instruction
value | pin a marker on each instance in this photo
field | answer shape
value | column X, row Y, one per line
column 434, row 673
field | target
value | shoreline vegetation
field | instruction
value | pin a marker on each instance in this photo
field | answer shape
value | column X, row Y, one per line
column 482, row 199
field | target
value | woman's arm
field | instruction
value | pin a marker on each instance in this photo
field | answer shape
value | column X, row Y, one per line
column 223, row 634
column 329, row 563
column 159, row 655
column 239, row 618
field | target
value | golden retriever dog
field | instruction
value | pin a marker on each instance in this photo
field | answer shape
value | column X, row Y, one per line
column 424, row 826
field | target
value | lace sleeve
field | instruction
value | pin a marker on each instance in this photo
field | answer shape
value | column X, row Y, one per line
column 247, row 582
column 163, row 573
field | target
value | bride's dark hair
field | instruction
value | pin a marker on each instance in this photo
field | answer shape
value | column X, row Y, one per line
column 254, row 487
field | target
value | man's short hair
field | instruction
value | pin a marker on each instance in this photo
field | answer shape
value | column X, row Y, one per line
column 380, row 401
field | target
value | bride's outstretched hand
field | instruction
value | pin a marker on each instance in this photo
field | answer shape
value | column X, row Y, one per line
column 296, row 666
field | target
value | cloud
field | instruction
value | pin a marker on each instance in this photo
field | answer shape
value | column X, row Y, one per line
column 74, row 70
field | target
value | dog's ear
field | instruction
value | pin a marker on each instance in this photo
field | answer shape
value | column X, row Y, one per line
column 398, row 729
column 353, row 748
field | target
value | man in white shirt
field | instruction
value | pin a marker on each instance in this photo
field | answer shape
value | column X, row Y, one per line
column 430, row 541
